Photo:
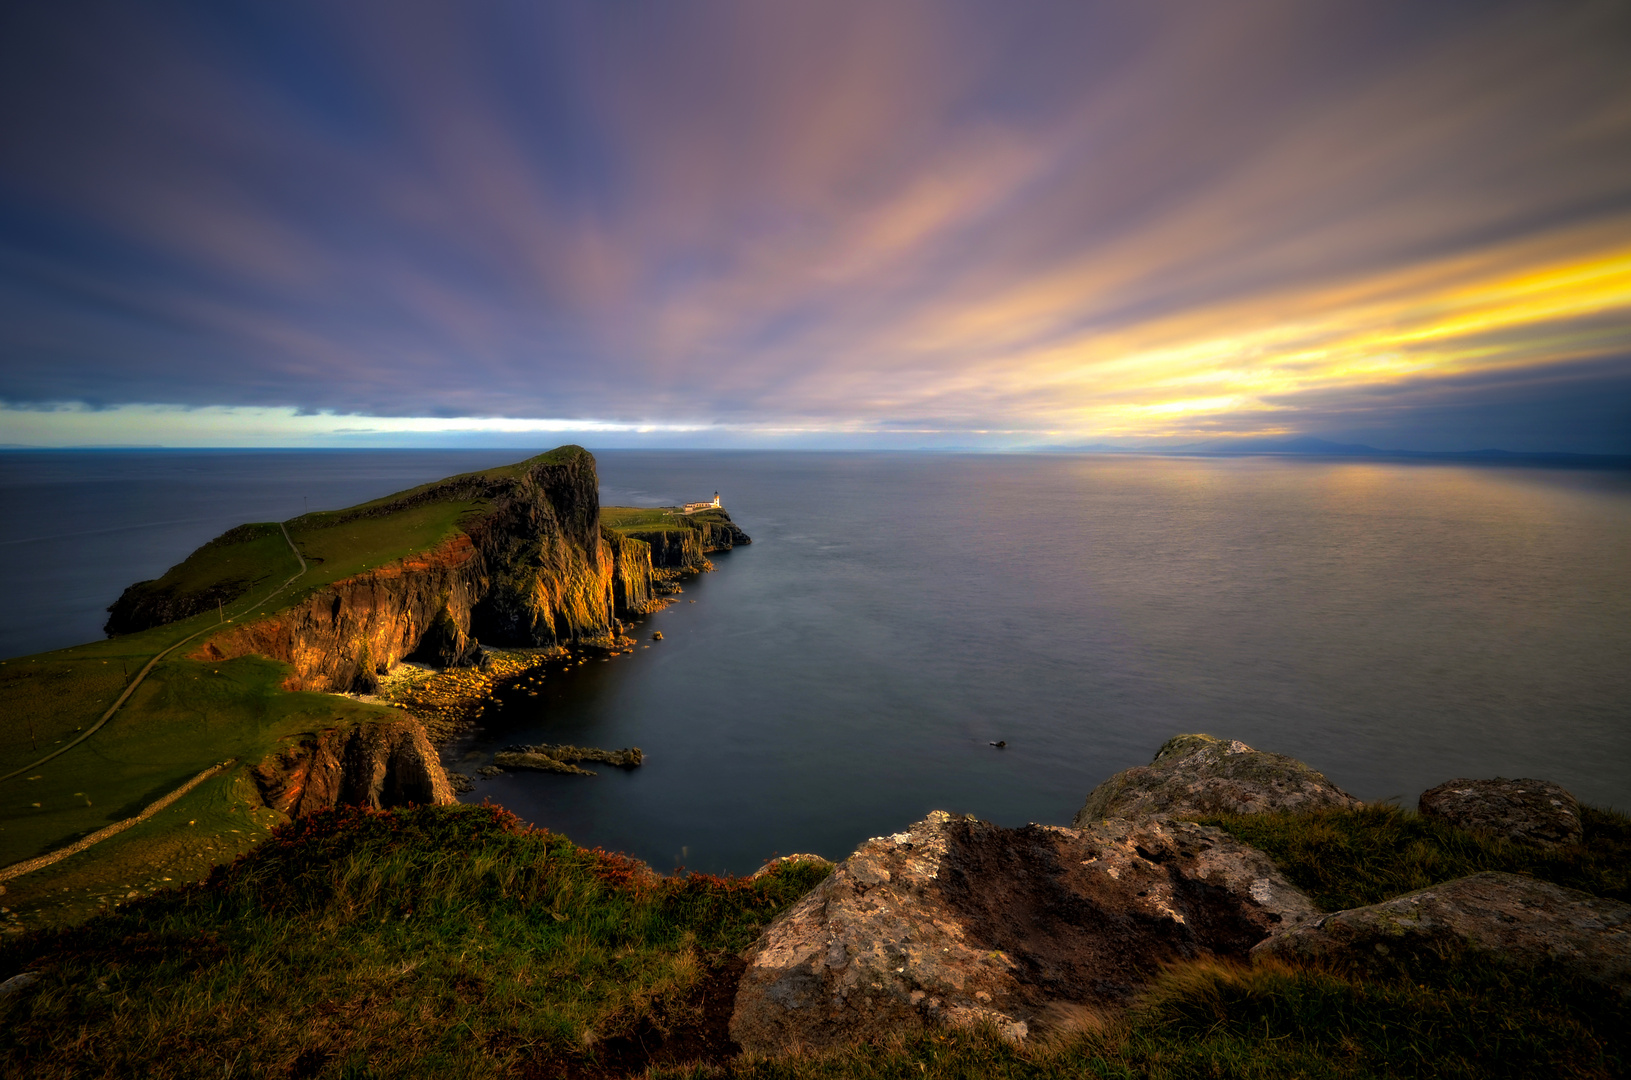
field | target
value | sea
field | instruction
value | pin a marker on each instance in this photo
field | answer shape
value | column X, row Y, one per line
column 1395, row 624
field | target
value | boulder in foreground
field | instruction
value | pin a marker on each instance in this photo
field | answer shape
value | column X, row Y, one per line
column 1196, row 775
column 1534, row 812
column 957, row 922
column 1519, row 918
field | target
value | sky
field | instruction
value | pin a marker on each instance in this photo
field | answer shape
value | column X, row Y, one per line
column 777, row 223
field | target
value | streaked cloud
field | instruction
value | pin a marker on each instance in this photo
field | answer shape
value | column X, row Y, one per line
column 739, row 220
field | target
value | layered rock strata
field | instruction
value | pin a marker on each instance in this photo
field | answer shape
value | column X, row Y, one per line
column 534, row 569
column 378, row 765
column 1196, row 775
column 956, row 922
column 343, row 636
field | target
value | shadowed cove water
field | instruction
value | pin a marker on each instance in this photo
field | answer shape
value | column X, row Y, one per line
column 1393, row 624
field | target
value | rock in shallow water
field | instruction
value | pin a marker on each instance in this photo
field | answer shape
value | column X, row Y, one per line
column 1526, row 811
column 957, row 922
column 1194, row 775
column 1522, row 919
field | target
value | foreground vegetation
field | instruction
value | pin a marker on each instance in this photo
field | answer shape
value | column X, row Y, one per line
column 455, row 942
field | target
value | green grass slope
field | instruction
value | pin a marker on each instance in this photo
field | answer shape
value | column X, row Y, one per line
column 337, row 543
column 187, row 716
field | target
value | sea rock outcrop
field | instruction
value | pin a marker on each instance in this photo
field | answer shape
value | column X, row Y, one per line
column 1534, row 812
column 564, row 758
column 1519, row 918
column 1195, row 775
column 957, row 922
column 381, row 764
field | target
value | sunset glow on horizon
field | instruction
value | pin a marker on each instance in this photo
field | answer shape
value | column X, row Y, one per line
column 818, row 225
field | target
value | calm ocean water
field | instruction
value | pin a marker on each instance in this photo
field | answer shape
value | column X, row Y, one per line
column 1395, row 625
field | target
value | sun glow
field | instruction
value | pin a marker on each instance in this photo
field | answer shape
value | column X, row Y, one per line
column 1172, row 376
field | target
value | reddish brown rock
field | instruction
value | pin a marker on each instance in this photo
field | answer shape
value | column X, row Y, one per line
column 1526, row 811
column 1196, row 775
column 383, row 764
column 533, row 568
column 1519, row 918
column 956, row 922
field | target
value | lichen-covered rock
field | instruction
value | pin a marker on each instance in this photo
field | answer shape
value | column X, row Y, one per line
column 383, row 764
column 1525, row 920
column 1528, row 811
column 1194, row 775
column 958, row 922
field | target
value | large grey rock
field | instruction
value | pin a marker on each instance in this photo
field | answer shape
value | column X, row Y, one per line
column 1533, row 812
column 1517, row 917
column 1194, row 775
column 957, row 922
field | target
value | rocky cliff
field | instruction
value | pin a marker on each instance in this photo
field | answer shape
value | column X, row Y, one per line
column 342, row 636
column 532, row 568
column 378, row 765
column 688, row 547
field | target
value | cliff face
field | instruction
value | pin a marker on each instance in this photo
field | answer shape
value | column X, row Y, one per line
column 378, row 765
column 632, row 591
column 532, row 567
column 532, row 570
column 688, row 548
column 340, row 637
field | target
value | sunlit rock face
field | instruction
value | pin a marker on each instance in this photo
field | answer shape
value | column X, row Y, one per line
column 345, row 634
column 533, row 570
column 1196, row 775
column 536, row 568
column 1518, row 918
column 958, row 922
column 1534, row 812
column 377, row 765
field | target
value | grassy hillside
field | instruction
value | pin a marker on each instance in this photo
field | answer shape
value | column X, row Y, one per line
column 339, row 543
column 186, row 715
column 641, row 519
column 451, row 942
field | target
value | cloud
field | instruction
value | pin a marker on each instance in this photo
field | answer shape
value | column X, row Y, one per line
column 1090, row 221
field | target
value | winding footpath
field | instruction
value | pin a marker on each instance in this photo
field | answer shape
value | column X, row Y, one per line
column 45, row 860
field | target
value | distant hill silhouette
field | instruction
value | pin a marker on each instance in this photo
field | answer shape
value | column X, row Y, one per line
column 1310, row 446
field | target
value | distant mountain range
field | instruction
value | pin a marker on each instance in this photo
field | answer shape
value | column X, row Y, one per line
column 1309, row 446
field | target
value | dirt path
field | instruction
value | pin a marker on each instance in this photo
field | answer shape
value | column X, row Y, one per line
column 19, row 869
column 142, row 674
